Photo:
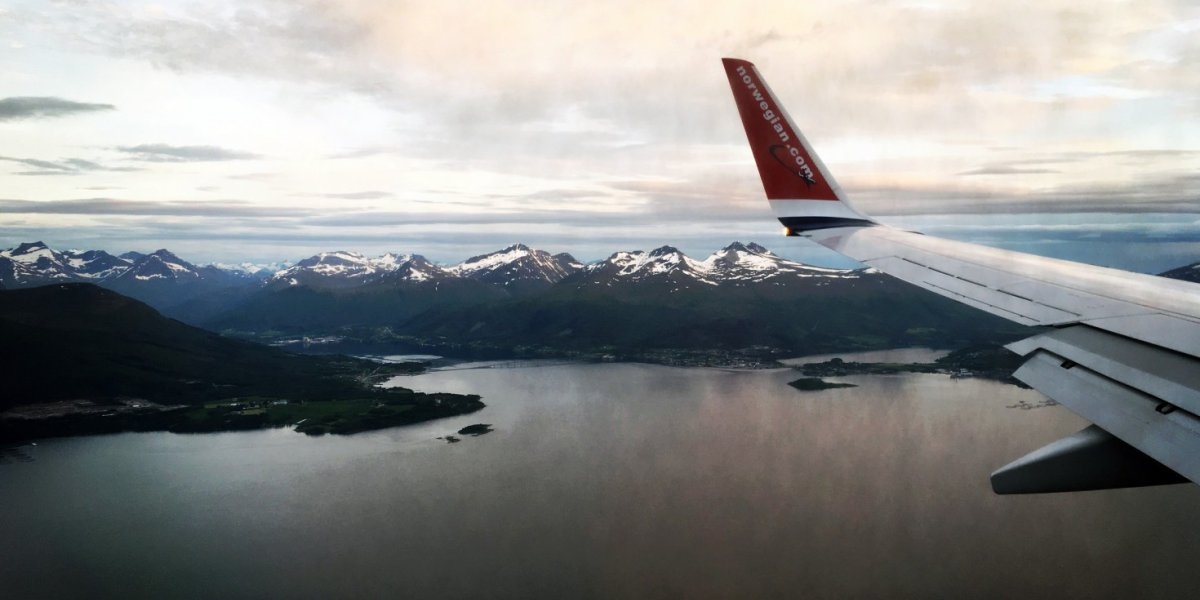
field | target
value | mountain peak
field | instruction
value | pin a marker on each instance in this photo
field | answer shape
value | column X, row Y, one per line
column 748, row 247
column 334, row 258
column 168, row 256
column 517, row 263
column 161, row 265
column 393, row 258
column 29, row 247
column 342, row 269
column 662, row 263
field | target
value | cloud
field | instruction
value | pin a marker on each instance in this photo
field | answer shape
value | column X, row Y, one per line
column 41, row 164
column 259, row 176
column 115, row 206
column 169, row 153
column 363, row 195
column 1007, row 170
column 40, row 107
column 633, row 128
column 367, row 152
column 567, row 194
column 69, row 166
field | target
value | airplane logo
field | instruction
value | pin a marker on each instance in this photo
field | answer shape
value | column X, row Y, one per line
column 780, row 153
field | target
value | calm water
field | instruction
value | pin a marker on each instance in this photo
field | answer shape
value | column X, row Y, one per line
column 599, row 481
column 896, row 355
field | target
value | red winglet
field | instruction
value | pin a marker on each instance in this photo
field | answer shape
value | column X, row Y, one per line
column 786, row 164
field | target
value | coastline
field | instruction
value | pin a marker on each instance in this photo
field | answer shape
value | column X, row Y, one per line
column 371, row 405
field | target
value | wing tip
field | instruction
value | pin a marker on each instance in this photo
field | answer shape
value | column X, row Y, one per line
column 1090, row 459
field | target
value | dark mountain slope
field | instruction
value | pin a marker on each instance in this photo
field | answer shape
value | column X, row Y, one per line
column 811, row 315
column 79, row 341
column 1186, row 273
column 302, row 309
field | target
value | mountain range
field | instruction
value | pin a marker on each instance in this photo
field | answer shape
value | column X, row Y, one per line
column 520, row 298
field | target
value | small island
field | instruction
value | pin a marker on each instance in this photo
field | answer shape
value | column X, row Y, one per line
column 812, row 384
column 476, row 430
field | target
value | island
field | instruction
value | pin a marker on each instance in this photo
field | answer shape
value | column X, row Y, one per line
column 982, row 361
column 476, row 430
column 812, row 384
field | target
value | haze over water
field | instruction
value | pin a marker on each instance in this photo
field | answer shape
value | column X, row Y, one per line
column 613, row 480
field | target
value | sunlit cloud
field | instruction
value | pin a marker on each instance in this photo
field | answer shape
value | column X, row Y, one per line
column 590, row 125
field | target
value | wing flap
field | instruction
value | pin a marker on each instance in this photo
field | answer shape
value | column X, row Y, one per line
column 1167, row 376
column 1172, row 439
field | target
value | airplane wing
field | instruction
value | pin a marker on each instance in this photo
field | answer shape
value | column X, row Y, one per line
column 1120, row 349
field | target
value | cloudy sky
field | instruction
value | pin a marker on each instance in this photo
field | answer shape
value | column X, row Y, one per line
column 273, row 129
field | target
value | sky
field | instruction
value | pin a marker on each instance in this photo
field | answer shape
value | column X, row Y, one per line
column 267, row 130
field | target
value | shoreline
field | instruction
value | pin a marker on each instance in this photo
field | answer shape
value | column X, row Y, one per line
column 377, row 407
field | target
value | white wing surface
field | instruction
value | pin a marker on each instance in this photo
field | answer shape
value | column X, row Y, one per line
column 1121, row 349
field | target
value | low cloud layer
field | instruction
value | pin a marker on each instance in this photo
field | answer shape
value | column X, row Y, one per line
column 130, row 208
column 66, row 166
column 41, row 107
column 169, row 153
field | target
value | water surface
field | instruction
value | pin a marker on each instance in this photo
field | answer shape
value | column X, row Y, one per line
column 609, row 480
column 895, row 355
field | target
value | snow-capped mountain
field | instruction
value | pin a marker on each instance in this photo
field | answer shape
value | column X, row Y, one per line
column 343, row 269
column 751, row 262
column 664, row 263
column 160, row 265
column 416, row 270
column 96, row 264
column 517, row 268
column 253, row 270
column 518, row 264
column 34, row 263
column 736, row 264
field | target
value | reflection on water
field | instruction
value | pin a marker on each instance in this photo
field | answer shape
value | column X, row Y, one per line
column 897, row 355
column 600, row 481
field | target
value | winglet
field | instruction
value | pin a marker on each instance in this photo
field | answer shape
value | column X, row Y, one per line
column 802, row 192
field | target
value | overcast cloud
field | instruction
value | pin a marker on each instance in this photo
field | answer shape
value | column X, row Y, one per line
column 583, row 126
